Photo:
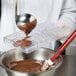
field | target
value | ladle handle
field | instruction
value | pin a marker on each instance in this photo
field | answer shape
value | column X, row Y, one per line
column 64, row 45
column 16, row 8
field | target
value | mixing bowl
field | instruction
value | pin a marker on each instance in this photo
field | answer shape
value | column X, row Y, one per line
column 38, row 53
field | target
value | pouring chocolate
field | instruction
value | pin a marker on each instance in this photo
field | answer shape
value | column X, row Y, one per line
column 25, row 22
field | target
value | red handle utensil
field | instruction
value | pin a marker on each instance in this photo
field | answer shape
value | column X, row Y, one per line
column 64, row 45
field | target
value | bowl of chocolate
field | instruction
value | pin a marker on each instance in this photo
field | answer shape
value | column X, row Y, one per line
column 18, row 63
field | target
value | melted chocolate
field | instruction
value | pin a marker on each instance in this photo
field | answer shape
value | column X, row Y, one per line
column 29, row 65
column 28, row 27
column 22, row 43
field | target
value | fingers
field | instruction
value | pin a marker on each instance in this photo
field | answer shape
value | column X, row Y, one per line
column 61, row 24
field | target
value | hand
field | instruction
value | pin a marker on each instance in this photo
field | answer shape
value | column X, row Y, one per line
column 55, row 31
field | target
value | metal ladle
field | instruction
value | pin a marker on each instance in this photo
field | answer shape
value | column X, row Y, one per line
column 25, row 22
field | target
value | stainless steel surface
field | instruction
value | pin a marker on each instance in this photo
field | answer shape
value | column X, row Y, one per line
column 71, row 50
column 24, row 19
column 68, row 67
column 39, row 54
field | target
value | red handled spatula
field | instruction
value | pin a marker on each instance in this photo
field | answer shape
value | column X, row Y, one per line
column 62, row 47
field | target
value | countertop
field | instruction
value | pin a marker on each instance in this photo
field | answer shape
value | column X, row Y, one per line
column 68, row 67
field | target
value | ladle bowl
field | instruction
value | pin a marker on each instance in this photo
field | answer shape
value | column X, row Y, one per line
column 26, row 22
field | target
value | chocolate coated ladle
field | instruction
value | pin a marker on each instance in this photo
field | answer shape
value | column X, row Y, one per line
column 25, row 22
